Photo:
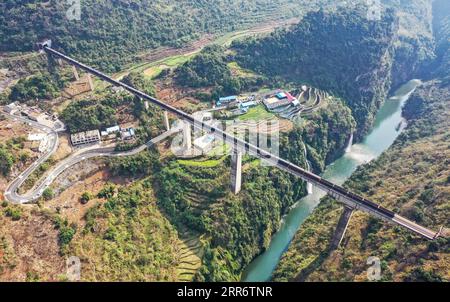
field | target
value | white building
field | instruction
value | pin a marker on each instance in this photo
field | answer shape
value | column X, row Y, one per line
column 205, row 143
column 12, row 108
column 112, row 130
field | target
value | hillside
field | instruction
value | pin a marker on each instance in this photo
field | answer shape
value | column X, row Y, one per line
column 441, row 26
column 340, row 52
column 110, row 33
column 413, row 178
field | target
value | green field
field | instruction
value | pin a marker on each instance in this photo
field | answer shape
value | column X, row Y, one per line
column 257, row 113
column 210, row 163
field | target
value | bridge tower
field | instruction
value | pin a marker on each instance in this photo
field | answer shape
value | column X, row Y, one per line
column 236, row 171
column 341, row 228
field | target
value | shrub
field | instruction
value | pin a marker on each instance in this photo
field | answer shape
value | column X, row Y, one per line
column 85, row 197
column 48, row 194
column 14, row 213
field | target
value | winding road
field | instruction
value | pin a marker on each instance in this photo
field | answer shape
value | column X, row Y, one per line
column 11, row 193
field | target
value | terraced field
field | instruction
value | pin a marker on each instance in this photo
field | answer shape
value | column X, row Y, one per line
column 190, row 252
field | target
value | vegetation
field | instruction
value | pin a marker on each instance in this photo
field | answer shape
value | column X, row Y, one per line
column 340, row 52
column 206, row 69
column 137, row 25
column 412, row 179
column 36, row 175
column 87, row 115
column 325, row 134
column 138, row 81
column 134, row 166
column 66, row 233
column 39, row 86
column 210, row 68
column 6, row 161
column 85, row 197
column 11, row 153
column 205, row 204
column 14, row 212
column 48, row 194
column 127, row 239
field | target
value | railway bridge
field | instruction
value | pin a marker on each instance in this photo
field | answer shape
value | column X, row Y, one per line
column 350, row 200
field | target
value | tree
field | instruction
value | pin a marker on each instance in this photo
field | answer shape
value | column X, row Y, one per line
column 6, row 161
column 48, row 194
column 40, row 86
column 140, row 82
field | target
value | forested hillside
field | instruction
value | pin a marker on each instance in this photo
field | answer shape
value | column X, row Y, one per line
column 441, row 25
column 109, row 33
column 342, row 52
column 413, row 178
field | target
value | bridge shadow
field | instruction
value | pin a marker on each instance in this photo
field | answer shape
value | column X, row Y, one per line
column 333, row 245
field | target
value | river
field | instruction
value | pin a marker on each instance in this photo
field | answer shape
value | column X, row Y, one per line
column 387, row 127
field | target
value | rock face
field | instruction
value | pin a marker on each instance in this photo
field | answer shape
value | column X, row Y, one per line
column 342, row 52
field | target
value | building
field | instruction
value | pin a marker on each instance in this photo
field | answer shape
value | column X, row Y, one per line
column 281, row 95
column 83, row 138
column 12, row 108
column 112, row 130
column 226, row 100
column 37, row 142
column 205, row 143
column 278, row 100
column 36, row 137
column 128, row 134
column 248, row 104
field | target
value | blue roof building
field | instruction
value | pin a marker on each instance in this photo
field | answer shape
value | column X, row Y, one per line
column 248, row 104
column 281, row 95
column 228, row 99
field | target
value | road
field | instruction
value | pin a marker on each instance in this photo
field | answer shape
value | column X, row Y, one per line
column 11, row 193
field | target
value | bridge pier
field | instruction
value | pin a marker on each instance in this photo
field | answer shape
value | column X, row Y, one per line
column 75, row 73
column 341, row 228
column 187, row 136
column 91, row 84
column 166, row 120
column 236, row 171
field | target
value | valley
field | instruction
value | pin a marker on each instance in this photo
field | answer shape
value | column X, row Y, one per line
column 116, row 180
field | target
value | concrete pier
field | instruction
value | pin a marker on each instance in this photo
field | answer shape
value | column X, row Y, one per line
column 166, row 120
column 75, row 73
column 187, row 136
column 91, row 84
column 236, row 171
column 341, row 228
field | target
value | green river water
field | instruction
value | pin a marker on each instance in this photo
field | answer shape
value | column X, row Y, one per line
column 387, row 127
